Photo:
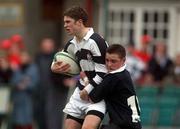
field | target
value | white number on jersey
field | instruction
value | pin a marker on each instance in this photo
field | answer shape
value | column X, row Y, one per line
column 132, row 103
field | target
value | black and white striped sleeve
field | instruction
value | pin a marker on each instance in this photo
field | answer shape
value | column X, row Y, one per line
column 98, row 49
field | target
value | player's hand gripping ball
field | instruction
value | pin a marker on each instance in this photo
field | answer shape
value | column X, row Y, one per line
column 66, row 58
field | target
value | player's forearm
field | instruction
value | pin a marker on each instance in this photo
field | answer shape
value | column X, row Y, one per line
column 95, row 96
column 93, row 83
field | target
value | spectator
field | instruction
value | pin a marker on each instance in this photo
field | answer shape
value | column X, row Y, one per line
column 5, row 77
column 17, row 39
column 143, row 53
column 135, row 66
column 5, row 71
column 160, row 65
column 5, row 44
column 14, row 50
column 51, row 92
column 176, row 70
column 24, row 80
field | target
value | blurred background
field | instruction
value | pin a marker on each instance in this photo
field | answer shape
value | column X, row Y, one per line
column 31, row 32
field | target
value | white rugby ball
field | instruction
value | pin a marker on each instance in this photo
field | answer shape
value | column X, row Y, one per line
column 69, row 59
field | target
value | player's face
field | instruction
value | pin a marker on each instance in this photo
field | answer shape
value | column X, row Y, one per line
column 113, row 62
column 70, row 25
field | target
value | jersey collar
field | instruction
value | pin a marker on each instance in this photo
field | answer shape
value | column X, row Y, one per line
column 89, row 33
column 120, row 69
column 86, row 37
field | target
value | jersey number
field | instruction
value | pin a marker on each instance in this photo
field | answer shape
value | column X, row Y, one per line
column 134, row 107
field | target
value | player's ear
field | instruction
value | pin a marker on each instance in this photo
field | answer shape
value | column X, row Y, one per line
column 124, row 59
column 80, row 22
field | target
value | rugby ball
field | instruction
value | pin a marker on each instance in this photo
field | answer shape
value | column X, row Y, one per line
column 69, row 59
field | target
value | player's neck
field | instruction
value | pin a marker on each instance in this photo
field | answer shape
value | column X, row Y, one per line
column 81, row 34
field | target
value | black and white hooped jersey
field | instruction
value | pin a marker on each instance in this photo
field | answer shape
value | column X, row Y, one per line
column 90, row 54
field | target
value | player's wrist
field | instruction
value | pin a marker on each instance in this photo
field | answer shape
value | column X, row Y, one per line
column 89, row 88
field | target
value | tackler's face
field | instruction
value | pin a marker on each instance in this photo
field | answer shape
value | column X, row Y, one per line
column 114, row 62
column 70, row 25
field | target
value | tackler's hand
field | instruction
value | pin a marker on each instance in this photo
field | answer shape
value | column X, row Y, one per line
column 84, row 78
column 84, row 95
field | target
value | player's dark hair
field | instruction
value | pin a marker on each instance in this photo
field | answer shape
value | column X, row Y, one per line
column 76, row 12
column 117, row 49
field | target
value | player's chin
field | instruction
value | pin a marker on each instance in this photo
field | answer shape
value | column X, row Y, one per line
column 109, row 70
column 69, row 32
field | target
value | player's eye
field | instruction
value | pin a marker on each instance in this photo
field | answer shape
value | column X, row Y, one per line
column 114, row 61
column 106, row 60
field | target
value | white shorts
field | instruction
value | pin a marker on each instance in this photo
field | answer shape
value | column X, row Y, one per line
column 78, row 108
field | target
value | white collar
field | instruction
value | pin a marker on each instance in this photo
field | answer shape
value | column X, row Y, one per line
column 86, row 37
column 88, row 34
column 119, row 70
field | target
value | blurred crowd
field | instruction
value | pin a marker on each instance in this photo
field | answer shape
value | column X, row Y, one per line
column 38, row 95
column 150, row 65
